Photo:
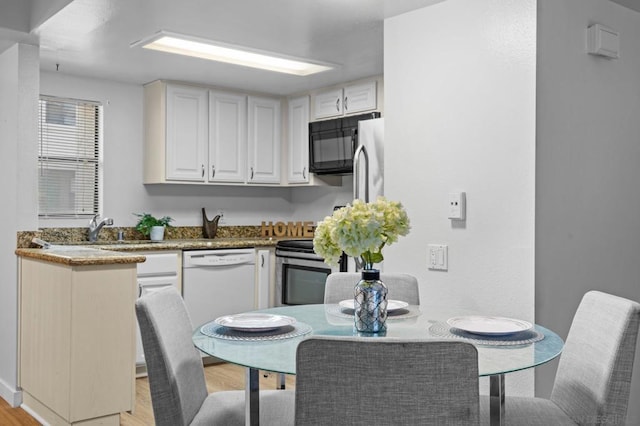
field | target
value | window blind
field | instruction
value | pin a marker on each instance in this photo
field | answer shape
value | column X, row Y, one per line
column 69, row 158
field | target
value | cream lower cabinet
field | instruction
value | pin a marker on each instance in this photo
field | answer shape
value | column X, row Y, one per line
column 77, row 341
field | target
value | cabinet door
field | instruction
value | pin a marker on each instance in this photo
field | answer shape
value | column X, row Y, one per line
column 187, row 128
column 159, row 271
column 264, row 140
column 298, row 153
column 360, row 97
column 328, row 104
column 227, row 137
column 263, row 266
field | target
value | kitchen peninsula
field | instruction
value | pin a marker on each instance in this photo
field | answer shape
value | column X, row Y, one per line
column 77, row 322
column 77, row 333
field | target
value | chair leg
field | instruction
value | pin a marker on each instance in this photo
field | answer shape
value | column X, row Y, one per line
column 280, row 384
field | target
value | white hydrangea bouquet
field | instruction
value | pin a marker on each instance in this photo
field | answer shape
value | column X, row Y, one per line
column 361, row 230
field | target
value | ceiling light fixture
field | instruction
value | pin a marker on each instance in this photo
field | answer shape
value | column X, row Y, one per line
column 216, row 51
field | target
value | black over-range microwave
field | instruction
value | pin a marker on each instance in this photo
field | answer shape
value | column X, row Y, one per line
column 332, row 144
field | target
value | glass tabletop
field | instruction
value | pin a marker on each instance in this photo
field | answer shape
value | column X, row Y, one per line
column 417, row 322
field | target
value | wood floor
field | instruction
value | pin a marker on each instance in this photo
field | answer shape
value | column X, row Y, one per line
column 219, row 377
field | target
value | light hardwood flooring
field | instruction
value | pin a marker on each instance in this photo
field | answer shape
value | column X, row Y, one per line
column 218, row 376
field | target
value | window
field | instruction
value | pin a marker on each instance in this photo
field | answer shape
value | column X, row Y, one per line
column 69, row 161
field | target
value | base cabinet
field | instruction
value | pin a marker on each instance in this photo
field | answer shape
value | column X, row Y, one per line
column 77, row 341
column 159, row 271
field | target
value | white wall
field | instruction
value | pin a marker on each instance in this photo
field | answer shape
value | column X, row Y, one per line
column 460, row 116
column 587, row 174
column 19, row 76
column 125, row 194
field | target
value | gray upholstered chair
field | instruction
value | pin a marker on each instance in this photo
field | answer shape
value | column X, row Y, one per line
column 370, row 382
column 176, row 375
column 592, row 383
column 339, row 286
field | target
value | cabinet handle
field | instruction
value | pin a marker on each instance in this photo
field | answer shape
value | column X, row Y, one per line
column 139, row 290
column 346, row 104
column 203, row 170
column 262, row 260
column 304, row 173
column 338, row 104
column 213, row 171
column 251, row 178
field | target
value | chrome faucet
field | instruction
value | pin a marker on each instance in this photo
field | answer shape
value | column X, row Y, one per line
column 96, row 224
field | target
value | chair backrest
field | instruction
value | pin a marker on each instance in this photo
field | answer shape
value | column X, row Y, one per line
column 339, row 286
column 174, row 366
column 369, row 382
column 594, row 374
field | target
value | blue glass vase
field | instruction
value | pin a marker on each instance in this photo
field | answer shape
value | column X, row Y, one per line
column 370, row 297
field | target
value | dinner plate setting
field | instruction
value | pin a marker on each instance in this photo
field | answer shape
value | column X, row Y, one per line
column 487, row 330
column 255, row 326
column 396, row 309
column 489, row 325
column 392, row 305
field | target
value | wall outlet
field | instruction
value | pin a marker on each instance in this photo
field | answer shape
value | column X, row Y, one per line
column 437, row 257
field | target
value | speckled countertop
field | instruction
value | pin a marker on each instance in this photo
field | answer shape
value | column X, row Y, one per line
column 79, row 256
column 70, row 245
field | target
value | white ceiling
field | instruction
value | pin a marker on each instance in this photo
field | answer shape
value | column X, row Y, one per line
column 93, row 37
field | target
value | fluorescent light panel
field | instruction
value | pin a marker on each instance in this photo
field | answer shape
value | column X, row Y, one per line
column 222, row 52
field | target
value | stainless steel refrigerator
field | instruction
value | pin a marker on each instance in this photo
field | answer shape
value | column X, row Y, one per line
column 368, row 161
column 368, row 168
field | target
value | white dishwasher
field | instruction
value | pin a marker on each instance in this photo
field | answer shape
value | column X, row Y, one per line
column 218, row 282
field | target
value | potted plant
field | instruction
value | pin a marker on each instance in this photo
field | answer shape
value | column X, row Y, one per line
column 151, row 226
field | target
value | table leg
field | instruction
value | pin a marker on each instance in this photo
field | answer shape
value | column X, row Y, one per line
column 252, row 397
column 496, row 400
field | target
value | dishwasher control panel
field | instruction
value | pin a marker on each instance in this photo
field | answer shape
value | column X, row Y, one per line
column 198, row 258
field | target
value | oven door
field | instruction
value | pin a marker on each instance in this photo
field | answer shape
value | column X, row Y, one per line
column 300, row 281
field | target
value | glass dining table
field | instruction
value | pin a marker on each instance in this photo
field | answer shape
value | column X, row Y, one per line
column 275, row 350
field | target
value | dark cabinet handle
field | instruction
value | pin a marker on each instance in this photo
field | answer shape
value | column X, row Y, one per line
column 213, row 171
column 338, row 104
column 346, row 105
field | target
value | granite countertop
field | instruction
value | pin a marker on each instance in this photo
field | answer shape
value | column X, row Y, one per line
column 182, row 244
column 112, row 252
column 70, row 246
column 78, row 255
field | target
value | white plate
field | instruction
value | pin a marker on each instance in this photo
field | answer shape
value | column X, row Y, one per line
column 392, row 305
column 488, row 325
column 254, row 321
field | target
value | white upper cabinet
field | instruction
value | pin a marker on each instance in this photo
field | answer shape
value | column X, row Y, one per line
column 187, row 129
column 298, row 133
column 264, row 140
column 227, row 137
column 328, row 104
column 209, row 136
column 350, row 99
column 360, row 97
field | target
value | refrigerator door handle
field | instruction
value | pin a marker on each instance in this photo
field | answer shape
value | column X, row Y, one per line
column 356, row 173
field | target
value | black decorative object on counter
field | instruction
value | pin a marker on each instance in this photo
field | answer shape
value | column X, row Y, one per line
column 209, row 227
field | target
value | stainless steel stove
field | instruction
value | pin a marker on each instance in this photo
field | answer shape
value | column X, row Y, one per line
column 301, row 273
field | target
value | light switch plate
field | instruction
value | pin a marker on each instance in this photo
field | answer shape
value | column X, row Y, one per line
column 437, row 257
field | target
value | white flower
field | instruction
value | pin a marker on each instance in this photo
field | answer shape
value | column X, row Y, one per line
column 361, row 230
